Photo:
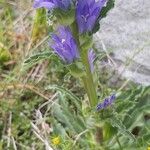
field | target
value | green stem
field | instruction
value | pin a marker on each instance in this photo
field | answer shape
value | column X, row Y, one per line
column 117, row 139
column 88, row 80
column 85, row 85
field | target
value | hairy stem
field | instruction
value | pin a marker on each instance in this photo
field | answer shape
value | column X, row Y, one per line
column 88, row 80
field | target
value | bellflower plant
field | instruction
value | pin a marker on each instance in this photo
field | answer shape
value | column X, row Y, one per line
column 87, row 12
column 50, row 4
column 74, row 47
column 64, row 45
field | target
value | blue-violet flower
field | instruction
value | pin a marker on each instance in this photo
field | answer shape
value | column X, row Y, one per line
column 64, row 45
column 49, row 4
column 87, row 12
column 107, row 102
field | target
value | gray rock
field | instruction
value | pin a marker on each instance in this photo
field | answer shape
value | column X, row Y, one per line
column 126, row 32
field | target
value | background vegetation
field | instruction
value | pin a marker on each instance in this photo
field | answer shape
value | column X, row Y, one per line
column 37, row 111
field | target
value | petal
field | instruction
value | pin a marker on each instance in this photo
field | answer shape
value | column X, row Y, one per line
column 101, row 4
column 65, row 45
column 106, row 102
column 66, row 3
column 81, row 24
column 99, row 107
column 67, row 54
column 112, row 98
column 85, row 10
column 68, row 34
column 63, row 4
column 42, row 3
column 96, row 12
column 74, row 49
column 58, row 51
column 81, row 4
column 91, row 2
column 62, row 32
column 55, row 38
column 90, row 23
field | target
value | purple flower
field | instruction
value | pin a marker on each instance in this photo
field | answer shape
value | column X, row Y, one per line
column 87, row 12
column 91, row 58
column 49, row 4
column 107, row 102
column 64, row 45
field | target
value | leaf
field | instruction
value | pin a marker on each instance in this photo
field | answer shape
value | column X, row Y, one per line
column 76, row 70
column 61, row 117
column 72, row 115
column 58, row 129
column 64, row 113
column 137, row 110
column 116, row 122
column 145, row 139
column 34, row 59
column 66, row 92
column 65, row 18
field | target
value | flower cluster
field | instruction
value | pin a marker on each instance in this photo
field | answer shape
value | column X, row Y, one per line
column 87, row 13
column 64, row 45
column 107, row 102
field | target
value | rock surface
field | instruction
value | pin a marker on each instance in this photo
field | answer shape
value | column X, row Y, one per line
column 126, row 32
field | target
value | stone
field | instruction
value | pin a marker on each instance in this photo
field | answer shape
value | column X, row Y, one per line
column 126, row 32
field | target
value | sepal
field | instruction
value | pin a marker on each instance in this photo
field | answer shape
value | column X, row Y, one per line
column 65, row 18
column 76, row 69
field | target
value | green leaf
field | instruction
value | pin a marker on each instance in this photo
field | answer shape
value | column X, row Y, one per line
column 66, row 92
column 135, row 113
column 36, row 58
column 76, row 69
column 67, row 116
column 116, row 122
column 61, row 117
column 58, row 129
column 65, row 17
column 74, row 117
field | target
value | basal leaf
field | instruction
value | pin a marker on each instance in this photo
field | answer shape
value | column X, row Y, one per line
column 116, row 122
